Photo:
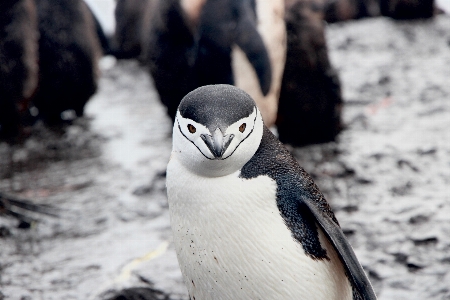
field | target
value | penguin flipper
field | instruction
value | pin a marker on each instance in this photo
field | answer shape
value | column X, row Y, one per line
column 250, row 41
column 344, row 250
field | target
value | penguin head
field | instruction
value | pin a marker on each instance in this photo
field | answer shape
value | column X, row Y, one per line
column 217, row 129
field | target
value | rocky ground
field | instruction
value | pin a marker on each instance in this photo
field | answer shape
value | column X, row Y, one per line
column 386, row 177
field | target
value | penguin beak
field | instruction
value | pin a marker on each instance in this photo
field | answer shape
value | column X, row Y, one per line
column 217, row 143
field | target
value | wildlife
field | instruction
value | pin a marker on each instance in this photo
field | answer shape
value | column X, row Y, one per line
column 191, row 45
column 248, row 222
column 310, row 95
column 69, row 50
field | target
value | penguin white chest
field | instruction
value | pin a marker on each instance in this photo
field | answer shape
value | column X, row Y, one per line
column 232, row 242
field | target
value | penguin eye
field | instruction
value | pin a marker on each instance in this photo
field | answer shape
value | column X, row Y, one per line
column 191, row 128
column 242, row 127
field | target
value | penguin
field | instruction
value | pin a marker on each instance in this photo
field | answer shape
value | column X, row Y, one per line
column 131, row 23
column 171, row 55
column 343, row 10
column 224, row 23
column 271, row 27
column 310, row 104
column 190, row 45
column 247, row 221
column 69, row 51
column 18, row 64
column 407, row 9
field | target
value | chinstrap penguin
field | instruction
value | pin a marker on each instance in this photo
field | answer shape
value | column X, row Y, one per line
column 248, row 222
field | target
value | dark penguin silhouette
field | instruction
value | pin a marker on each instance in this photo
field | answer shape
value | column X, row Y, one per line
column 407, row 9
column 187, row 51
column 69, row 50
column 222, row 24
column 171, row 54
column 342, row 10
column 18, row 63
column 310, row 102
column 131, row 23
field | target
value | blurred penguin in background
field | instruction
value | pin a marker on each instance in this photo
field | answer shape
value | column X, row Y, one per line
column 18, row 63
column 69, row 50
column 191, row 45
column 271, row 26
column 310, row 102
column 343, row 10
column 407, row 9
column 132, row 25
column 171, row 53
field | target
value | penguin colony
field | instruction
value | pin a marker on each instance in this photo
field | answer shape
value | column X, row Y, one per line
column 49, row 52
column 195, row 43
column 180, row 40
column 248, row 222
column 187, row 44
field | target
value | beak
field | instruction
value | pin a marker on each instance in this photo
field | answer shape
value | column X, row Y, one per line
column 217, row 143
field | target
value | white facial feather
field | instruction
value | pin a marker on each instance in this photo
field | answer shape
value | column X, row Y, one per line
column 181, row 124
column 194, row 154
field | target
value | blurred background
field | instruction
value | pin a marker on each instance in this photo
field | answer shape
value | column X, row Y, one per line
column 359, row 91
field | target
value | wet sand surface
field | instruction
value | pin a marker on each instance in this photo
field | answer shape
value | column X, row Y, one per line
column 387, row 176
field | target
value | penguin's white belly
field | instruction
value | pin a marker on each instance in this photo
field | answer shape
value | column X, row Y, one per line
column 232, row 243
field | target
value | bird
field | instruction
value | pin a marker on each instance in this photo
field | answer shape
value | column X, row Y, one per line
column 310, row 94
column 69, row 51
column 190, row 44
column 247, row 221
column 131, row 24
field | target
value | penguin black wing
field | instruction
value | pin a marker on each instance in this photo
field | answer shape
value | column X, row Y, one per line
column 302, row 206
column 344, row 250
column 250, row 41
column 225, row 23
